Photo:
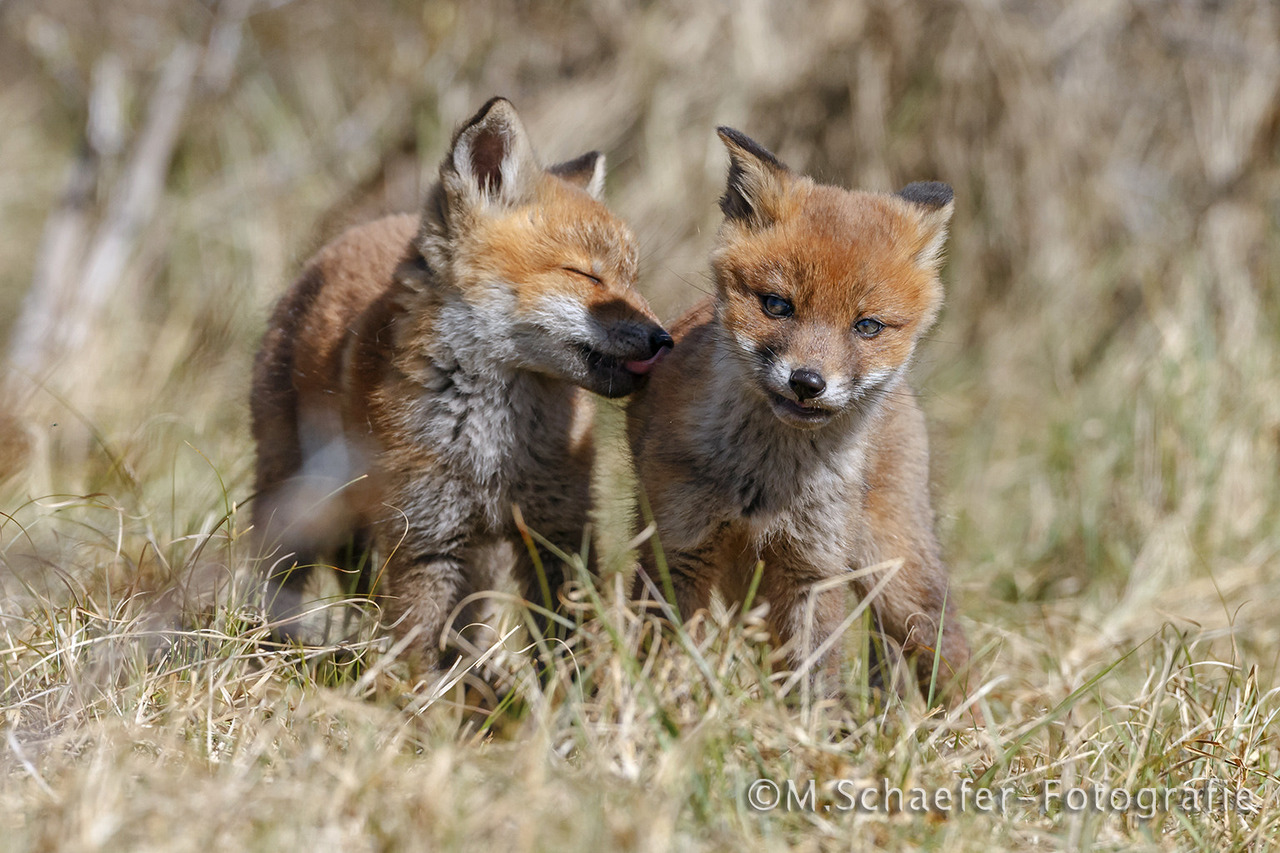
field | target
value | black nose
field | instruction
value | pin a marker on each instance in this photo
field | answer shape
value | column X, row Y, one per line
column 658, row 339
column 807, row 383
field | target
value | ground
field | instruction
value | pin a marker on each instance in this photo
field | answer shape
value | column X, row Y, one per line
column 1102, row 393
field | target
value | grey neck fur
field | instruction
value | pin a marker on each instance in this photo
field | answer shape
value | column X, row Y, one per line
column 770, row 465
column 480, row 409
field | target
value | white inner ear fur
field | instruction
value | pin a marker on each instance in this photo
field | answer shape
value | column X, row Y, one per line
column 759, row 183
column 595, row 186
column 751, row 178
column 933, row 225
column 514, row 168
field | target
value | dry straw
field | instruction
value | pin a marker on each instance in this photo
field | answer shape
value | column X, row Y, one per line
column 1102, row 393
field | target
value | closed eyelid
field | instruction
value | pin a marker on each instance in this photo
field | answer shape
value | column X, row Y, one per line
column 584, row 274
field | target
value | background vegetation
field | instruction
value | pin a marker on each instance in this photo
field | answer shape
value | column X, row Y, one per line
column 1103, row 391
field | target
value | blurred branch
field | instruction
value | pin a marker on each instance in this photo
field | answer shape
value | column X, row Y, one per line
column 82, row 266
column 75, row 279
column 57, row 262
column 139, row 194
column 224, row 43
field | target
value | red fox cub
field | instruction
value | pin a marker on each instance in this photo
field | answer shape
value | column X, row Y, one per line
column 427, row 375
column 782, row 430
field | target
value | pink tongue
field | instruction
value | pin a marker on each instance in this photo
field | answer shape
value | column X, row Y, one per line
column 640, row 368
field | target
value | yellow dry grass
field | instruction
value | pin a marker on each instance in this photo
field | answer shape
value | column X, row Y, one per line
column 1103, row 391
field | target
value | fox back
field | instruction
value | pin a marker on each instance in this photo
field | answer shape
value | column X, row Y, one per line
column 782, row 428
column 424, row 375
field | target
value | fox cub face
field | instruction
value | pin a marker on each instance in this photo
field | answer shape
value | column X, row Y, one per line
column 826, row 290
column 538, row 256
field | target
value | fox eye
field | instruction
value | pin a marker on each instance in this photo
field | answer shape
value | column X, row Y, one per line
column 867, row 327
column 775, row 306
column 585, row 275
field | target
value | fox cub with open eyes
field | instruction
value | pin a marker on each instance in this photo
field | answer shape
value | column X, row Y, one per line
column 782, row 430
column 422, row 376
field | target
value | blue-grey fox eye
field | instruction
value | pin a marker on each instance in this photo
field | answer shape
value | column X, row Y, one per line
column 868, row 327
column 775, row 306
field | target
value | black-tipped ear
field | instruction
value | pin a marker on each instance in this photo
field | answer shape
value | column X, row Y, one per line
column 756, row 180
column 936, row 202
column 928, row 193
column 491, row 159
column 585, row 172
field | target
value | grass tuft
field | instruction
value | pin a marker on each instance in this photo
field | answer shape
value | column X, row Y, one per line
column 1103, row 393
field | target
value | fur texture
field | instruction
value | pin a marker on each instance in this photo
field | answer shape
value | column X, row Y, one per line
column 422, row 377
column 782, row 428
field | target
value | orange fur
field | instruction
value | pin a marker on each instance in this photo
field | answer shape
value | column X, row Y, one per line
column 782, row 429
column 422, row 377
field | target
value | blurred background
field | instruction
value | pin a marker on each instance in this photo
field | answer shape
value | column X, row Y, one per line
column 1102, row 389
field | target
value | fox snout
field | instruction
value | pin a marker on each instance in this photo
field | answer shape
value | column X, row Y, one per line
column 636, row 346
column 620, row 362
column 801, row 396
column 807, row 384
column 659, row 344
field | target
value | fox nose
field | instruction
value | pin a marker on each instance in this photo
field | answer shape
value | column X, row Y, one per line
column 658, row 339
column 807, row 383
column 659, row 343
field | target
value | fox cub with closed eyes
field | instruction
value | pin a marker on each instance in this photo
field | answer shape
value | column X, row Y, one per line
column 782, row 430
column 425, row 375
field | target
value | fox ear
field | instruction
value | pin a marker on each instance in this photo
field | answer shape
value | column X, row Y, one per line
column 491, row 160
column 756, row 180
column 935, row 202
column 585, row 172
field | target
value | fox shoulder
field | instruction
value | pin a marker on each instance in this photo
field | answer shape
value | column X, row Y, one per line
column 301, row 350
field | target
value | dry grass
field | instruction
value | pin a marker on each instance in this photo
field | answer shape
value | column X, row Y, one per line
column 1103, row 392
